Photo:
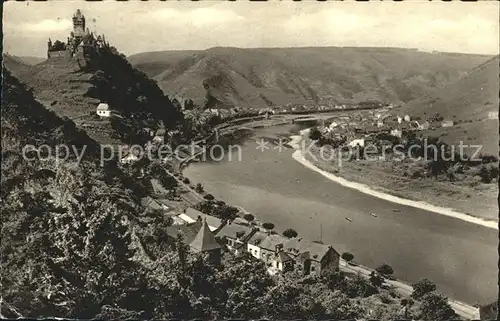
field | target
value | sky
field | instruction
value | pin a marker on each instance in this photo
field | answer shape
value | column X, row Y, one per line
column 137, row 26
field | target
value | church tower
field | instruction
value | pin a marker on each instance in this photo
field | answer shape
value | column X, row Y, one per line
column 78, row 24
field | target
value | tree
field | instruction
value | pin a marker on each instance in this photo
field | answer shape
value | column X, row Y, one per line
column 435, row 306
column 268, row 226
column 314, row 134
column 199, row 188
column 421, row 288
column 209, row 197
column 385, row 269
column 407, row 303
column 290, row 233
column 335, row 280
column 225, row 212
column 338, row 306
column 249, row 217
column 375, row 279
column 359, row 287
column 58, row 46
column 348, row 257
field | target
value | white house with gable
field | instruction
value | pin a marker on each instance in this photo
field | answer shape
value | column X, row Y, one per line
column 103, row 110
column 356, row 142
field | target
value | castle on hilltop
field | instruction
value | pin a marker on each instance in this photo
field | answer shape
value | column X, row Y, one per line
column 81, row 44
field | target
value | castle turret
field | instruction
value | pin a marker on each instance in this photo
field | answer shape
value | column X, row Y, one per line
column 49, row 47
column 78, row 24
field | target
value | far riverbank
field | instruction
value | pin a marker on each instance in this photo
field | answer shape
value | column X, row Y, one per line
column 311, row 164
column 460, row 257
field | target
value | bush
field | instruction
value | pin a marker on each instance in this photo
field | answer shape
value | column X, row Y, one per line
column 417, row 174
column 348, row 257
column 268, row 226
column 376, row 280
column 488, row 159
column 488, row 172
column 249, row 217
column 186, row 180
column 209, row 197
column 335, row 280
column 385, row 269
column 359, row 287
column 314, row 134
column 290, row 233
column 385, row 298
column 422, row 288
column 198, row 188
column 435, row 306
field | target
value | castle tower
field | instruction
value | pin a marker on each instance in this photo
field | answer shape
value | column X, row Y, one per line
column 49, row 47
column 78, row 24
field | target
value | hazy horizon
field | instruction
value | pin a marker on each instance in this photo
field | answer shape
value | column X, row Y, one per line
column 135, row 27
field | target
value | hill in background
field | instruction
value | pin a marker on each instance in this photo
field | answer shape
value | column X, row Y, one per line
column 265, row 76
column 471, row 97
column 13, row 63
column 468, row 101
column 30, row 60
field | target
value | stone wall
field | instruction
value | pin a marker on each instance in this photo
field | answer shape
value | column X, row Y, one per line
column 62, row 54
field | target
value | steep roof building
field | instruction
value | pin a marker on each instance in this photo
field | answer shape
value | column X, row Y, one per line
column 204, row 241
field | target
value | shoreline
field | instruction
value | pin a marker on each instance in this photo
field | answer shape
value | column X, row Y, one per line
column 463, row 309
column 363, row 188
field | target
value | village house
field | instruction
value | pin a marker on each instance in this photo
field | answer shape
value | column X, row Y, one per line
column 214, row 111
column 129, row 159
column 199, row 238
column 158, row 190
column 103, row 110
column 152, row 205
column 159, row 136
column 493, row 115
column 253, row 244
column 191, row 215
column 312, row 258
column 357, row 142
column 423, row 126
column 235, row 236
column 396, row 132
column 280, row 254
column 272, row 253
column 447, row 123
column 407, row 118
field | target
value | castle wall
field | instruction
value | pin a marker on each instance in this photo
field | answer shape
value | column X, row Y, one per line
column 84, row 53
column 62, row 54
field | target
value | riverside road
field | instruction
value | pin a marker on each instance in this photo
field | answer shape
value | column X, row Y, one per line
column 460, row 257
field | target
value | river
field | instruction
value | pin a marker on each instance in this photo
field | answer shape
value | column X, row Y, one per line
column 460, row 257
